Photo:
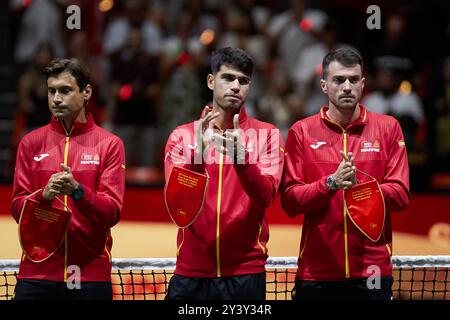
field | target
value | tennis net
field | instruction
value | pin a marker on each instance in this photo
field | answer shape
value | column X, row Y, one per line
column 415, row 277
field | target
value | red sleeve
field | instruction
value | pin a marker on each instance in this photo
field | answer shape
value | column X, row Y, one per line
column 395, row 184
column 105, row 203
column 298, row 196
column 23, row 184
column 180, row 151
column 261, row 180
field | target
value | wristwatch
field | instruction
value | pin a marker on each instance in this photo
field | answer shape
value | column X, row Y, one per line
column 331, row 184
column 78, row 193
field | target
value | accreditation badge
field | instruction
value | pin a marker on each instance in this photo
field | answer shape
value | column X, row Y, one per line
column 184, row 195
column 365, row 206
column 41, row 229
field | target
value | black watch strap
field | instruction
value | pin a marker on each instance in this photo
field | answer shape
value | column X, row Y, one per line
column 78, row 193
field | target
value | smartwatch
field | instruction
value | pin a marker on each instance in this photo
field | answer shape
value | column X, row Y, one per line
column 78, row 193
column 331, row 184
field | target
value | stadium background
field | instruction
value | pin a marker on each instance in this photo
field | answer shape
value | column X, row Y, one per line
column 151, row 76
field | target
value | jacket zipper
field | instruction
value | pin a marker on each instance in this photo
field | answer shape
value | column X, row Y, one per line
column 259, row 240
column 305, row 229
column 66, row 156
column 347, row 267
column 219, row 200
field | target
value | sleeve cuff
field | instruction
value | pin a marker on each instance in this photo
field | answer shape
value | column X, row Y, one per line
column 39, row 197
column 87, row 194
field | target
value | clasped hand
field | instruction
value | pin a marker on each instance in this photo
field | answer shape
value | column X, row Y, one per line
column 60, row 183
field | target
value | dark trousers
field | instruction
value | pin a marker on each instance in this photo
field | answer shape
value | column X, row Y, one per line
column 245, row 287
column 354, row 289
column 30, row 289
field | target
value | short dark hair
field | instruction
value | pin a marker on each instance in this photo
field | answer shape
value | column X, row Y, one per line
column 346, row 56
column 72, row 66
column 234, row 57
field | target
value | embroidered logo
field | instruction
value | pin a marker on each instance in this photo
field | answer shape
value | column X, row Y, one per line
column 370, row 147
column 318, row 144
column 90, row 159
column 41, row 156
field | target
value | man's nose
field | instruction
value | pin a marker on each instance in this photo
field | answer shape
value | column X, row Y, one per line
column 235, row 86
column 57, row 98
column 347, row 86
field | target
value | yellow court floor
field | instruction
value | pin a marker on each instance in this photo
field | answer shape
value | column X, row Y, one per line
column 157, row 240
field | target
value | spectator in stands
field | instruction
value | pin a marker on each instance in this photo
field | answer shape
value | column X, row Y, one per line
column 135, row 90
column 42, row 22
column 136, row 15
column 182, row 60
column 287, row 38
column 393, row 99
column 280, row 104
column 32, row 90
column 240, row 32
column 307, row 72
column 442, row 109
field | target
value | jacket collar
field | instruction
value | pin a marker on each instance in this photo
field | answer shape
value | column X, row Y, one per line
column 356, row 125
column 77, row 128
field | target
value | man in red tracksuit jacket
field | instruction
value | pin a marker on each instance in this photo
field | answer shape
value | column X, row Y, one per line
column 82, row 164
column 222, row 254
column 324, row 154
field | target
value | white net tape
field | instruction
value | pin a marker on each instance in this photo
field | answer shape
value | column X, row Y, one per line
column 272, row 263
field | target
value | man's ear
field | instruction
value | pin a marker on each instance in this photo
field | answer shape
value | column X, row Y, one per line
column 323, row 85
column 87, row 92
column 210, row 81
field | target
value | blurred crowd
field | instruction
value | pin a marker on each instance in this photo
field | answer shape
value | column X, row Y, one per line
column 149, row 62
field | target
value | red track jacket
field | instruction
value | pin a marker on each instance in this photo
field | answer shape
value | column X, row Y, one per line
column 96, row 158
column 332, row 248
column 230, row 234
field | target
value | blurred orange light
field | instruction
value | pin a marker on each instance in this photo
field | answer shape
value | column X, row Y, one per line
column 207, row 37
column 405, row 87
column 105, row 5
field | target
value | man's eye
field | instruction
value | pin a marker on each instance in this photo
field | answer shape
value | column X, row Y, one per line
column 244, row 81
column 228, row 78
column 52, row 91
column 65, row 90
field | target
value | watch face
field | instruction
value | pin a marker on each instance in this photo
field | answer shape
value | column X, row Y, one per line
column 78, row 193
column 330, row 183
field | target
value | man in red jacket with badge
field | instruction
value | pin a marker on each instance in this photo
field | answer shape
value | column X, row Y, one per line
column 346, row 170
column 68, row 191
column 222, row 172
